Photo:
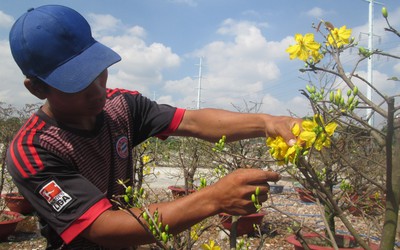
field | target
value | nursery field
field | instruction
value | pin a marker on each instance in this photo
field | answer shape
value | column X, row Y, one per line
column 281, row 211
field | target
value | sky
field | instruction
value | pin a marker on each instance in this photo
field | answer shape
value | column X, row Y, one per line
column 241, row 45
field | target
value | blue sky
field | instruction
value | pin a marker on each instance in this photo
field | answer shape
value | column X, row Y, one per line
column 242, row 43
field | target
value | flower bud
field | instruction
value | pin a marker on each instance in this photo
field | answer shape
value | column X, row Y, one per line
column 164, row 237
column 253, row 198
column 384, row 12
column 308, row 88
column 126, row 198
column 331, row 96
column 355, row 90
column 339, row 92
column 350, row 100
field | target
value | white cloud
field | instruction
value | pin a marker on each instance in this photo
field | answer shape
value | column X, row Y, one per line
column 6, row 21
column 238, row 67
column 103, row 24
column 11, row 83
column 142, row 64
column 191, row 3
column 316, row 12
column 396, row 68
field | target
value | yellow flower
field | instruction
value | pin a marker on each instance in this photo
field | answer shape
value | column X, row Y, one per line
column 316, row 134
column 305, row 48
column 278, row 148
column 210, row 246
column 339, row 37
column 280, row 151
column 145, row 159
column 293, row 153
column 313, row 134
column 296, row 130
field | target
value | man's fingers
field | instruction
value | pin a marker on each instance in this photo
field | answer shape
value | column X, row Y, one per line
column 272, row 176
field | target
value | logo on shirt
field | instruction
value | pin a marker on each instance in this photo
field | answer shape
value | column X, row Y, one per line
column 122, row 147
column 55, row 196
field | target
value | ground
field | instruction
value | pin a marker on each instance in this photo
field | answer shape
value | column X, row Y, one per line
column 281, row 211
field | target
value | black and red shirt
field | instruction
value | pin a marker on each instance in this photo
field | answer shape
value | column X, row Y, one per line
column 70, row 175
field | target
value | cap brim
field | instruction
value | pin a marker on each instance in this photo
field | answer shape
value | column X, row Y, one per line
column 77, row 73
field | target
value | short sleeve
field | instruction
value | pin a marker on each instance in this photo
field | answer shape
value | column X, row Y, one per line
column 62, row 197
column 152, row 119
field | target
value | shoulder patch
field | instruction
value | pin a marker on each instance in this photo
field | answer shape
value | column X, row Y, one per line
column 55, row 196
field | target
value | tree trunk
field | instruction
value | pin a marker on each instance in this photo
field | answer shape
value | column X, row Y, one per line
column 392, row 179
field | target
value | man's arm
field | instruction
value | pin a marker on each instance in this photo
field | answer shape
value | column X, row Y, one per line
column 231, row 194
column 211, row 124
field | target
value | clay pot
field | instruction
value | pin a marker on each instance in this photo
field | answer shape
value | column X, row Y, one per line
column 305, row 194
column 17, row 203
column 245, row 223
column 8, row 223
column 370, row 205
column 180, row 191
column 344, row 242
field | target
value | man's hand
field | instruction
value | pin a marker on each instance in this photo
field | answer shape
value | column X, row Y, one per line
column 233, row 192
column 282, row 126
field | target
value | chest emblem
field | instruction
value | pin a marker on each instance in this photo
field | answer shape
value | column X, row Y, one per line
column 122, row 147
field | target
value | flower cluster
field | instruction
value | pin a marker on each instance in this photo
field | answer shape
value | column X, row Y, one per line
column 305, row 48
column 314, row 134
column 339, row 37
column 310, row 51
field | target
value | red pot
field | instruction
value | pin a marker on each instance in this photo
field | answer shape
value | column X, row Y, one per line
column 370, row 205
column 7, row 226
column 245, row 223
column 17, row 203
column 305, row 194
column 345, row 238
column 178, row 191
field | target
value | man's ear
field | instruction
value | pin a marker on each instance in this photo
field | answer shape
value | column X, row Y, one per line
column 37, row 90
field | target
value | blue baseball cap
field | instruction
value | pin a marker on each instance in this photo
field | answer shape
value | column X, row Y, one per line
column 54, row 43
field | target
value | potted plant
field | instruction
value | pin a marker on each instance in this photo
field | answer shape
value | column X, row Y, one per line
column 180, row 191
column 13, row 200
column 347, row 241
column 339, row 146
column 17, row 203
column 11, row 120
column 366, row 203
column 229, row 157
column 245, row 224
column 8, row 219
column 8, row 223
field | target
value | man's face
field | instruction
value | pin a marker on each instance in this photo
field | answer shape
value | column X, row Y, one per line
column 88, row 102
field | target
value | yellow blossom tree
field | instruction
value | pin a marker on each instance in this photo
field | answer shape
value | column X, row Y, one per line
column 338, row 146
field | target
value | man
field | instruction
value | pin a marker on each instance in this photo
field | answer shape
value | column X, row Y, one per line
column 67, row 158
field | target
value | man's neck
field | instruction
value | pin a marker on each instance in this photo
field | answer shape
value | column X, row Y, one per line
column 73, row 121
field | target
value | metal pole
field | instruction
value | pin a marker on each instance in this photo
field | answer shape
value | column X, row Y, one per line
column 199, row 86
column 370, row 59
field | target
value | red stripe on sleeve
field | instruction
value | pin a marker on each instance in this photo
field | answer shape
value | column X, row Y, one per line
column 21, row 151
column 33, row 151
column 85, row 220
column 176, row 120
column 30, row 124
column 16, row 162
